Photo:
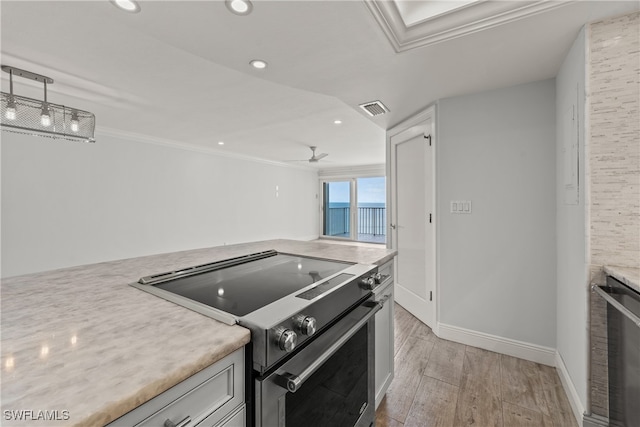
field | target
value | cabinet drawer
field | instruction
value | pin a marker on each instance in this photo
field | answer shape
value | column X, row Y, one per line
column 210, row 394
column 236, row 419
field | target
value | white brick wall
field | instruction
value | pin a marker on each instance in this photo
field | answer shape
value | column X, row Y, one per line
column 613, row 152
column 614, row 145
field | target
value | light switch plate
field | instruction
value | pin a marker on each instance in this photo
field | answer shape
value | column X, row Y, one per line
column 461, row 206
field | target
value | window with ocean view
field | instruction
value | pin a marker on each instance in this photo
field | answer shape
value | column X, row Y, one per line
column 355, row 209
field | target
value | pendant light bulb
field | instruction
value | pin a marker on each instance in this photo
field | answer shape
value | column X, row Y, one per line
column 11, row 112
column 45, row 118
column 75, row 125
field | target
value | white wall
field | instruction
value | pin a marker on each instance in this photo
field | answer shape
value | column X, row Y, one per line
column 572, row 263
column 66, row 204
column 497, row 266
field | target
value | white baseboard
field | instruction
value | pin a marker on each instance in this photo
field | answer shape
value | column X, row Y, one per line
column 569, row 389
column 412, row 303
column 534, row 353
column 520, row 349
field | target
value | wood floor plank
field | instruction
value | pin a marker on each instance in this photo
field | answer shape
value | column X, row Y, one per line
column 422, row 331
column 482, row 366
column 479, row 398
column 517, row 416
column 434, row 405
column 404, row 323
column 556, row 399
column 522, row 385
column 445, row 363
column 383, row 419
column 483, row 382
column 410, row 363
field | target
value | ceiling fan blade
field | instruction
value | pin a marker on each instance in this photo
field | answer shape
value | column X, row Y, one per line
column 320, row 156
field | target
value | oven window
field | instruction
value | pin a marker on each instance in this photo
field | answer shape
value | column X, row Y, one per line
column 336, row 394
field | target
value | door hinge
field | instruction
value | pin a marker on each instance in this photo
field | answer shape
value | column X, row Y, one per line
column 429, row 138
column 430, row 218
column 430, row 295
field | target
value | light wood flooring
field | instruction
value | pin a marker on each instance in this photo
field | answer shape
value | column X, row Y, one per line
column 443, row 383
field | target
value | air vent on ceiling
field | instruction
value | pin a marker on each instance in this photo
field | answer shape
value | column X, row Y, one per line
column 374, row 108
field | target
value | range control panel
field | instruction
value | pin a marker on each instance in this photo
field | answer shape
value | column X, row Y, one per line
column 371, row 281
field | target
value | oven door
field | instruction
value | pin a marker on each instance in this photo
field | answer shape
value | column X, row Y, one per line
column 330, row 382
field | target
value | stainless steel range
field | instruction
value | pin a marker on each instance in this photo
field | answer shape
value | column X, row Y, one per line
column 312, row 331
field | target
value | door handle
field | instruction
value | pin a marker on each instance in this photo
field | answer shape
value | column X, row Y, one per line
column 393, row 226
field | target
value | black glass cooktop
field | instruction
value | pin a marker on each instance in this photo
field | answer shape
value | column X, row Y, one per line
column 241, row 289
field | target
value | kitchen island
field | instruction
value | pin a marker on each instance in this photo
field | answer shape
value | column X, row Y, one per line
column 82, row 347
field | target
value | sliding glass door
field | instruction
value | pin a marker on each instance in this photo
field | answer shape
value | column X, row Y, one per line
column 372, row 212
column 337, row 209
column 354, row 209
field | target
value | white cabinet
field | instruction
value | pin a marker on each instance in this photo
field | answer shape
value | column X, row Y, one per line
column 214, row 397
column 236, row 419
column 384, row 334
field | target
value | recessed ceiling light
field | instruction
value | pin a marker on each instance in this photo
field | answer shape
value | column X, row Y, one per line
column 337, row 122
column 127, row 5
column 239, row 7
column 220, row 142
column 259, row 64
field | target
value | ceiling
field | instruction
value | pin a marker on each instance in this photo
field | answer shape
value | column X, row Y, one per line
column 413, row 12
column 179, row 71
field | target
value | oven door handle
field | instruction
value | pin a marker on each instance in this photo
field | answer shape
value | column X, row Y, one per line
column 293, row 382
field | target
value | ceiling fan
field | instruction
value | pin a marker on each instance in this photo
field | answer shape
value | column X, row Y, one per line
column 315, row 157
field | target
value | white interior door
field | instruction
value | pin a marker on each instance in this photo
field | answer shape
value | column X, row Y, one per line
column 412, row 226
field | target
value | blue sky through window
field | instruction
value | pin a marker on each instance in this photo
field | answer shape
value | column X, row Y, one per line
column 370, row 190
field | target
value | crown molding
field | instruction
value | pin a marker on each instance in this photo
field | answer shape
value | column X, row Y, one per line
column 457, row 23
column 147, row 139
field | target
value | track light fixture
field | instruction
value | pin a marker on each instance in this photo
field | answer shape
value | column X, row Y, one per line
column 42, row 118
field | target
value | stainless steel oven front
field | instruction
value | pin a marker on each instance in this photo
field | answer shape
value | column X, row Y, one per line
column 329, row 382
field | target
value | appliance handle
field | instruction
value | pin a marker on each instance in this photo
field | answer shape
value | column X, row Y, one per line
column 384, row 299
column 292, row 382
column 621, row 308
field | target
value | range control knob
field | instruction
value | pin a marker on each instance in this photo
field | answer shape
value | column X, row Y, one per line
column 305, row 324
column 286, row 339
column 378, row 278
column 368, row 283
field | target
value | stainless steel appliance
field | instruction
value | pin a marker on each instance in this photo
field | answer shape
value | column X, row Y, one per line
column 312, row 332
column 623, row 348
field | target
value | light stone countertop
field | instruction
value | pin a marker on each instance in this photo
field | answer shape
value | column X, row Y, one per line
column 627, row 275
column 82, row 340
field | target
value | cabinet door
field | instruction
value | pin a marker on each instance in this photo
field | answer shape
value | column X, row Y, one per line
column 211, row 394
column 384, row 342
